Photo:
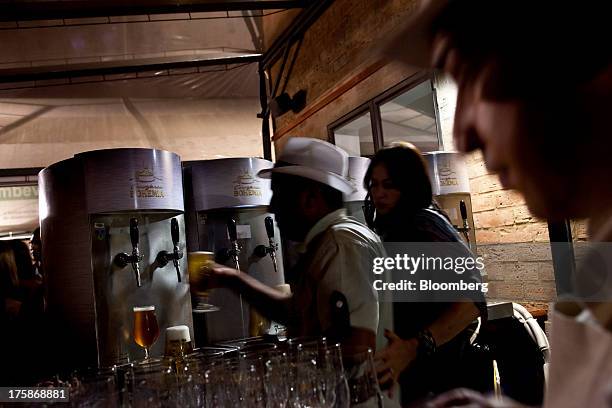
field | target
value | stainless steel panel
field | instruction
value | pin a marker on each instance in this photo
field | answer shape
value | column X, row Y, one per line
column 228, row 323
column 132, row 179
column 116, row 290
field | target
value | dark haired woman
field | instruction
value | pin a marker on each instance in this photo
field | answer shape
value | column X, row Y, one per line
column 425, row 351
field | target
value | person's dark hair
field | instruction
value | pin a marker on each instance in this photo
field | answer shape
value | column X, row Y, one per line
column 23, row 259
column 484, row 31
column 408, row 173
column 9, row 276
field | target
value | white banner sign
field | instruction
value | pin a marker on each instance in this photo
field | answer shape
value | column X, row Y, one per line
column 18, row 208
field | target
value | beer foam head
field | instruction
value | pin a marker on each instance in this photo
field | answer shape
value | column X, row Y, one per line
column 200, row 256
column 178, row 333
column 144, row 308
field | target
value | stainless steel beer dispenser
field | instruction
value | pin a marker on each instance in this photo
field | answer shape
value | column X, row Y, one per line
column 227, row 214
column 113, row 235
column 450, row 184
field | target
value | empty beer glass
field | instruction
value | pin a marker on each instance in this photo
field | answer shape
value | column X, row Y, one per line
column 146, row 330
column 362, row 379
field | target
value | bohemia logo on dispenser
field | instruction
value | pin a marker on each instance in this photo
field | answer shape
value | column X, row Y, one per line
column 246, row 185
column 144, row 184
column 446, row 173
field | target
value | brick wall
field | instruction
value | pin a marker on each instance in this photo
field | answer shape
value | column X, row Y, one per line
column 275, row 22
column 513, row 243
column 331, row 53
column 332, row 67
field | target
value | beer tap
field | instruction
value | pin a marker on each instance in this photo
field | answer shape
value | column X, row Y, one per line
column 262, row 250
column 465, row 228
column 163, row 257
column 233, row 236
column 122, row 259
column 234, row 253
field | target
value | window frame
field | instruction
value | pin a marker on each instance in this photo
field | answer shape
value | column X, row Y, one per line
column 373, row 105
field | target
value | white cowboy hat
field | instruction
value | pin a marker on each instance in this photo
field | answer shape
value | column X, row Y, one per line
column 313, row 159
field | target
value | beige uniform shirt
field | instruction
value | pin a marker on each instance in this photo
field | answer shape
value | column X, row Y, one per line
column 337, row 255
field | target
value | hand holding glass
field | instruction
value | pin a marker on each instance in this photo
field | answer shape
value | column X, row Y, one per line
column 197, row 264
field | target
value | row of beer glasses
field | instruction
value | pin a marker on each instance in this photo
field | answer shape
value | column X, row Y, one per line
column 298, row 373
column 324, row 377
column 264, row 375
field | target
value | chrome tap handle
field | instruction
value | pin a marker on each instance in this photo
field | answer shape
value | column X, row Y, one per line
column 135, row 238
column 269, row 227
column 178, row 269
column 174, row 231
column 123, row 259
column 136, row 269
column 273, row 256
column 134, row 233
column 269, row 222
column 463, row 210
column 177, row 254
column 465, row 229
column 231, row 230
column 233, row 235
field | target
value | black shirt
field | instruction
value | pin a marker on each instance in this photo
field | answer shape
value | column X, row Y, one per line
column 444, row 370
column 424, row 225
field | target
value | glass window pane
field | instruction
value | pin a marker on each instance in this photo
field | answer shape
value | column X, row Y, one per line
column 411, row 117
column 356, row 136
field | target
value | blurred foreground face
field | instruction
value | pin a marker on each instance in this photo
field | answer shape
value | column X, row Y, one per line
column 550, row 146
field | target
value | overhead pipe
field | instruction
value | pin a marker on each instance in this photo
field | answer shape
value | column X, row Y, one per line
column 114, row 68
column 50, row 10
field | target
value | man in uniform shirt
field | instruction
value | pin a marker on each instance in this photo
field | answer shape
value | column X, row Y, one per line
column 332, row 294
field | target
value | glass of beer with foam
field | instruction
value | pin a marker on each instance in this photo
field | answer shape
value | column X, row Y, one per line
column 146, row 330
